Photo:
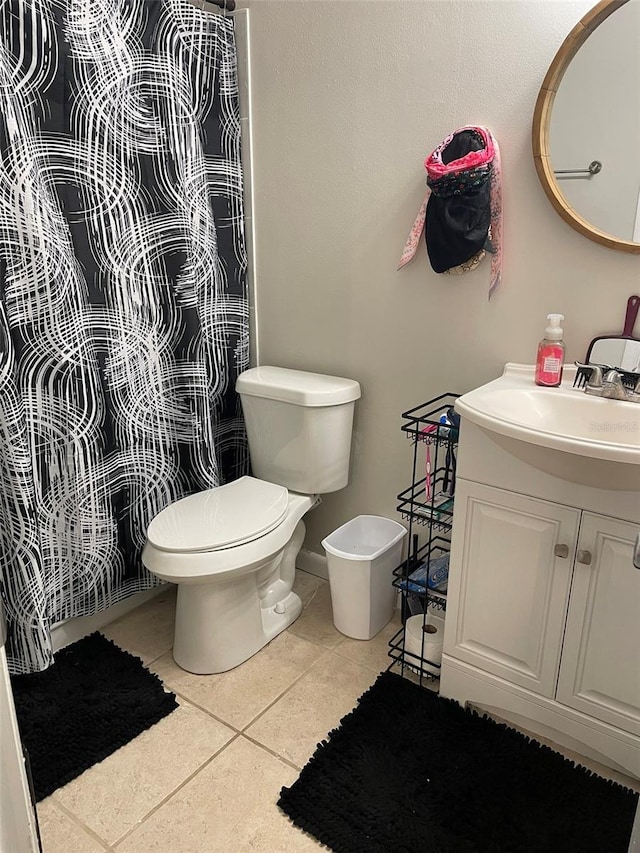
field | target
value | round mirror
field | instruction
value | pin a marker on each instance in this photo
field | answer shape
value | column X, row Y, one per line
column 586, row 126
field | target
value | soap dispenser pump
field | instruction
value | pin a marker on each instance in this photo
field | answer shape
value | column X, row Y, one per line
column 550, row 358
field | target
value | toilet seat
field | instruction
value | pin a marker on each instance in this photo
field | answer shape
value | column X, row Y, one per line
column 223, row 517
column 209, row 566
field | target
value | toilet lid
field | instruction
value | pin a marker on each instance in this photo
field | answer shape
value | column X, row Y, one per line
column 220, row 518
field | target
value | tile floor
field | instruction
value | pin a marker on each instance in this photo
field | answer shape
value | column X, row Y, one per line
column 206, row 778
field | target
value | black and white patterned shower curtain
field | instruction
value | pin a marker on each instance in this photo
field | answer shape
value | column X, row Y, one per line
column 123, row 305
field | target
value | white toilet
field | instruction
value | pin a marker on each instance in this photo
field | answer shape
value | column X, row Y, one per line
column 232, row 550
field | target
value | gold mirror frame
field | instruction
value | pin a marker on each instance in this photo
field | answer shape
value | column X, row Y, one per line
column 542, row 121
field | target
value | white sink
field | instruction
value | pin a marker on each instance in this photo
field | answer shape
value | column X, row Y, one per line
column 562, row 431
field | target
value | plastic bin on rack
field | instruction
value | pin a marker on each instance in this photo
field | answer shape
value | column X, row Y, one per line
column 361, row 557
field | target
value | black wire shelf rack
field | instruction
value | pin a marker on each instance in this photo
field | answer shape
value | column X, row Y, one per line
column 427, row 505
column 406, row 660
column 418, row 589
column 436, row 511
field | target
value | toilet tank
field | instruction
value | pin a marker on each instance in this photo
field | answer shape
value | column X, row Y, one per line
column 299, row 427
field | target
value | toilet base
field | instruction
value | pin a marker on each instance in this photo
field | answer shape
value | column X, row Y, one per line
column 219, row 626
column 274, row 621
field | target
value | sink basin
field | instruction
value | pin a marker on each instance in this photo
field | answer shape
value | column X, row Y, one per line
column 563, row 431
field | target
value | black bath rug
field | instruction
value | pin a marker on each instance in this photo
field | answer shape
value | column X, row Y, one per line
column 409, row 772
column 93, row 700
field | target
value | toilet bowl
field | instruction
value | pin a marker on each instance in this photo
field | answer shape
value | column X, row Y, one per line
column 234, row 582
column 232, row 549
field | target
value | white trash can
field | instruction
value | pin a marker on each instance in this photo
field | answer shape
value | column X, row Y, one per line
column 361, row 557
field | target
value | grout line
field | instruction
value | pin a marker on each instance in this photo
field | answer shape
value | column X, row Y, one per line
column 310, row 602
column 293, row 684
column 317, row 643
column 272, row 752
column 368, row 667
column 157, row 658
column 179, row 694
column 179, row 787
column 285, row 691
column 78, row 822
column 209, row 713
column 261, row 713
column 190, row 701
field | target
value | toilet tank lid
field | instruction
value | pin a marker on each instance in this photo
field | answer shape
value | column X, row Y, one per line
column 297, row 386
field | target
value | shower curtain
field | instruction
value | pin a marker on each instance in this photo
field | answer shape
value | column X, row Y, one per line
column 123, row 304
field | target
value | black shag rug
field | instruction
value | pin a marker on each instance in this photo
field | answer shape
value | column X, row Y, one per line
column 409, row 772
column 94, row 699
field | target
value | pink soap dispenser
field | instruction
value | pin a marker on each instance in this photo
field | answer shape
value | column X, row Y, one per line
column 550, row 358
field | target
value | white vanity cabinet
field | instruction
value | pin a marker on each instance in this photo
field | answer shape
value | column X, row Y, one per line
column 509, row 594
column 543, row 612
column 600, row 664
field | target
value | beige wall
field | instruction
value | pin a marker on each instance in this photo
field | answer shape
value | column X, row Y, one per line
column 347, row 100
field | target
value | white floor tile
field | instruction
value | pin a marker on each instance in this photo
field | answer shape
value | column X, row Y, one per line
column 229, row 807
column 146, row 632
column 286, row 698
column 238, row 696
column 115, row 794
column 315, row 623
column 298, row 721
column 62, row 834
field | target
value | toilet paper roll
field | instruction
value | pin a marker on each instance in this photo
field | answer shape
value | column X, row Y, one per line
column 429, row 652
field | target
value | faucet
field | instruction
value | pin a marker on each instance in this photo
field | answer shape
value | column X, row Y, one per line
column 611, row 386
column 594, row 385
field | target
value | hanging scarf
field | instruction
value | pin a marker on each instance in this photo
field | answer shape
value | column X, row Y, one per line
column 461, row 214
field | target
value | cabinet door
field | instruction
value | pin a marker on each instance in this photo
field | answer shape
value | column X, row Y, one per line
column 509, row 584
column 600, row 670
